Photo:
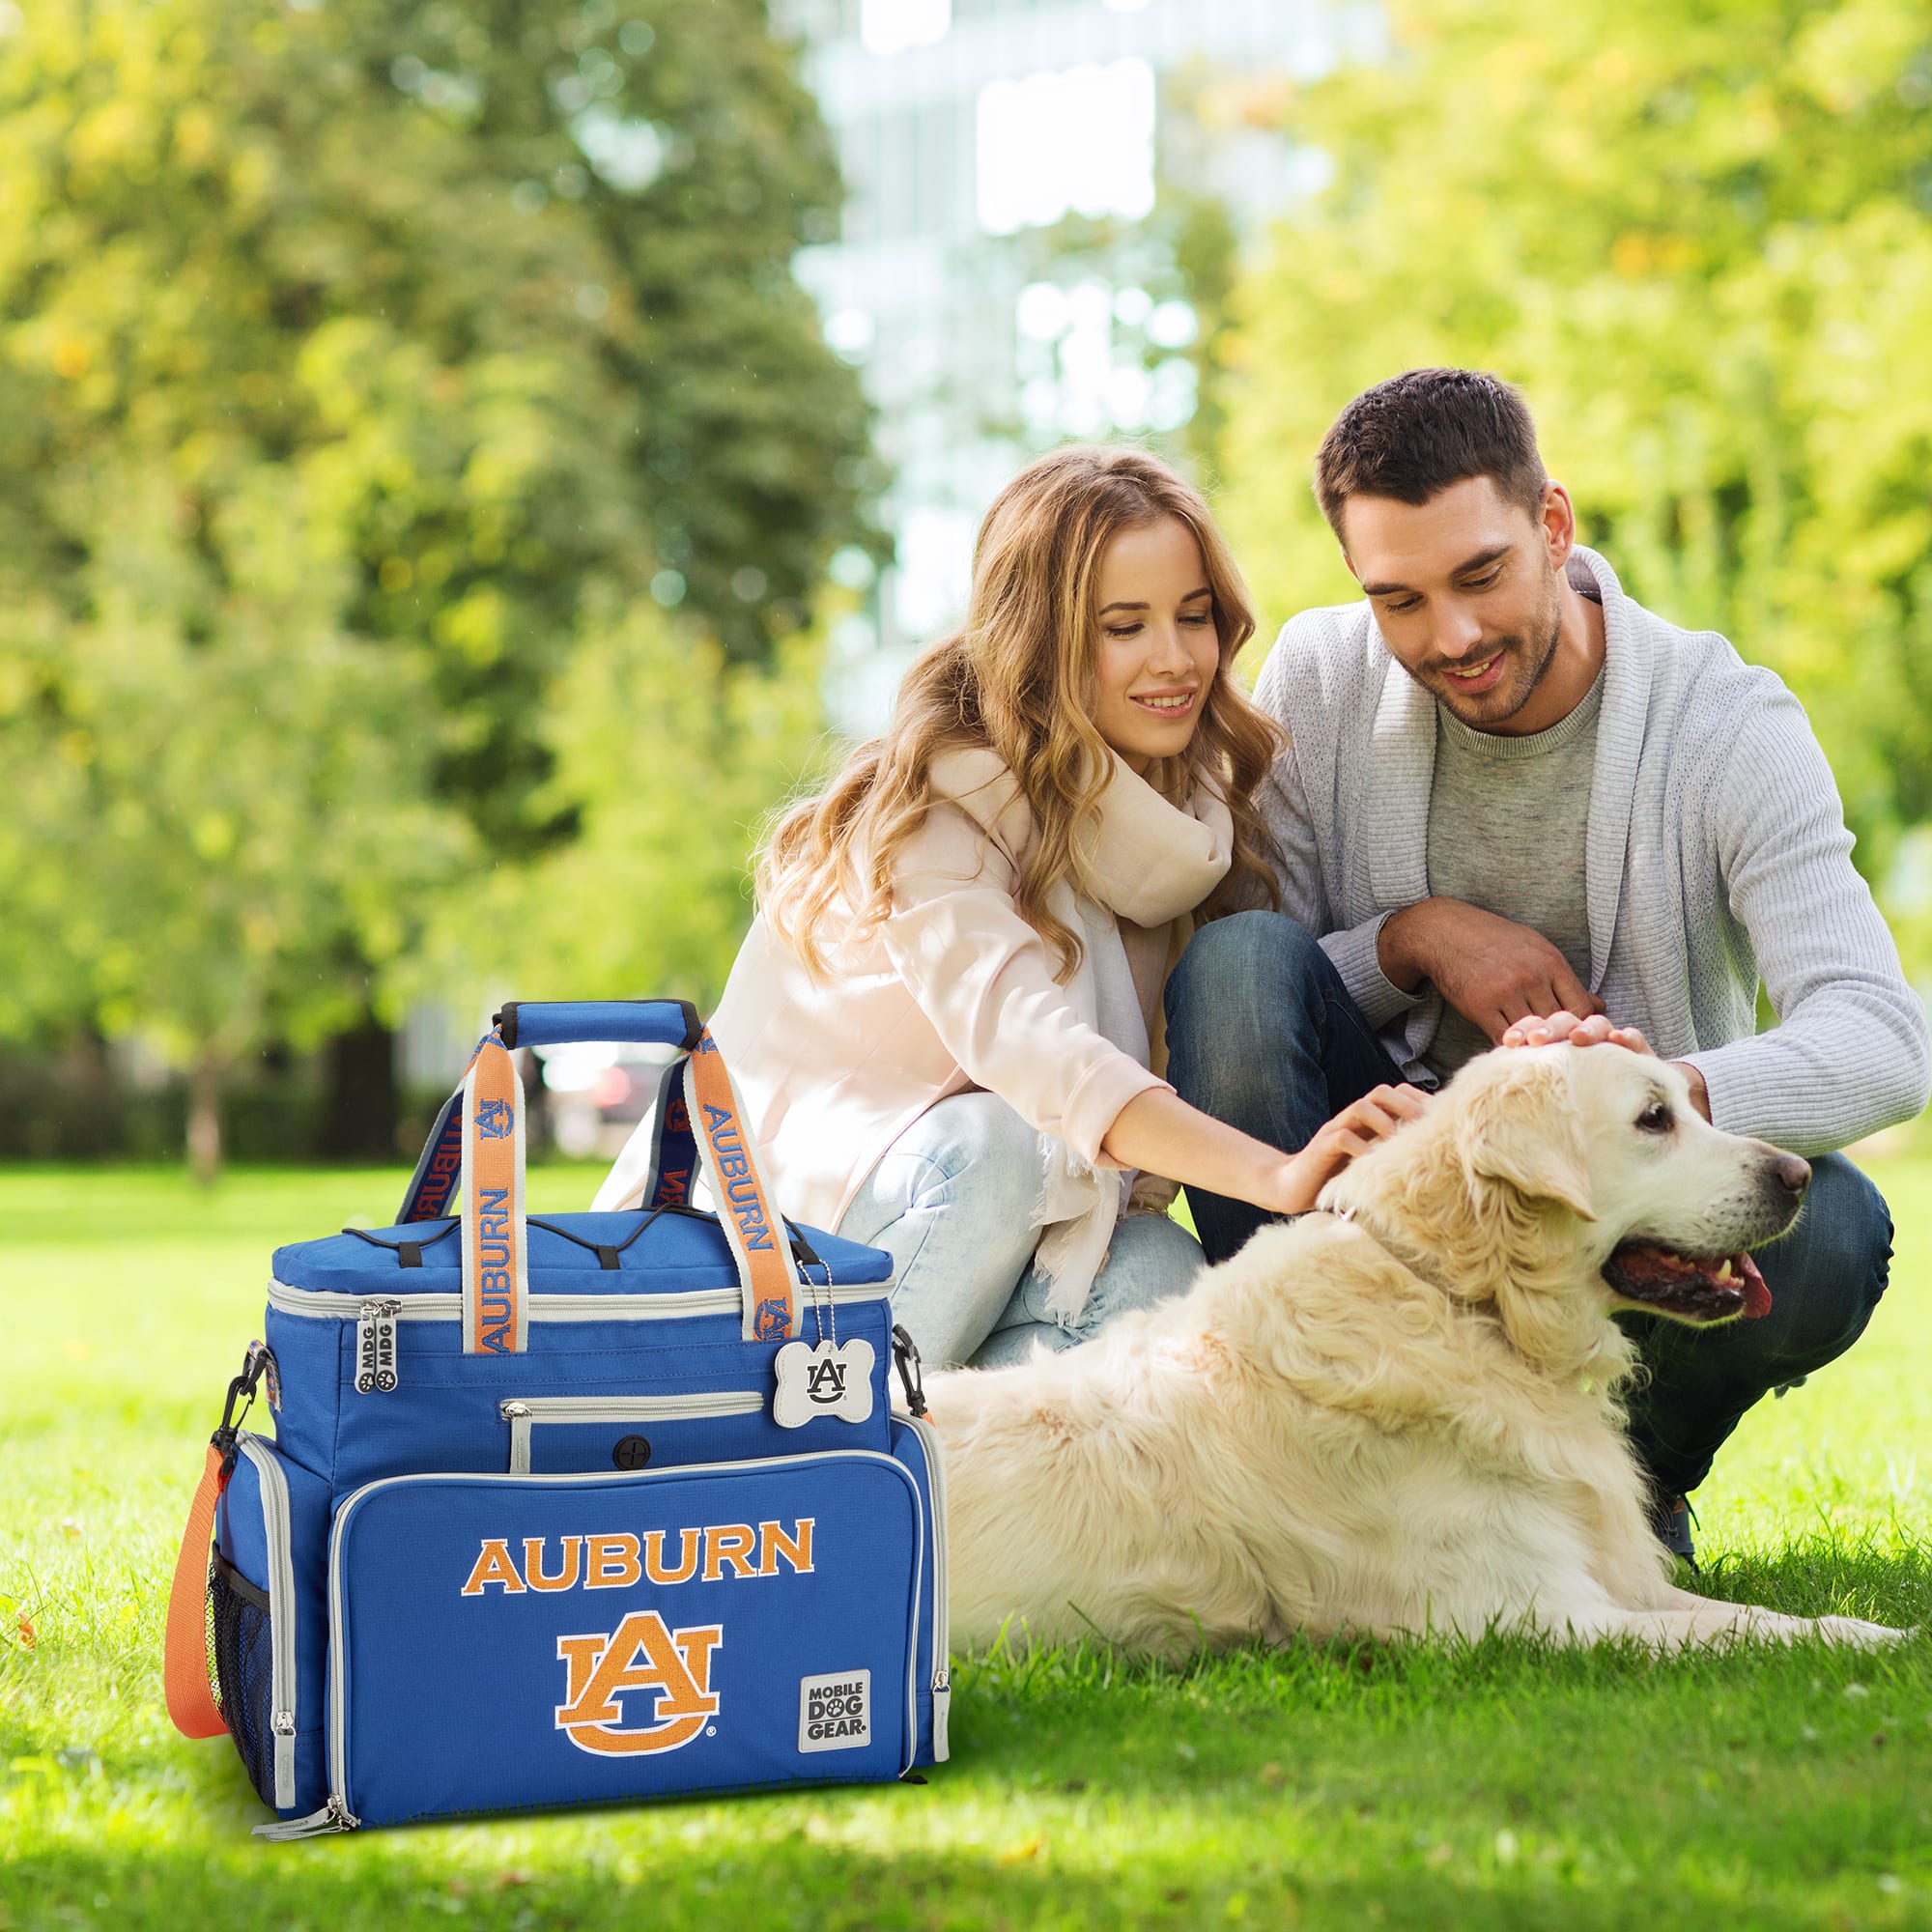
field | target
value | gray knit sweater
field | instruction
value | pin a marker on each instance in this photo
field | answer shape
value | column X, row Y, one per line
column 1718, row 855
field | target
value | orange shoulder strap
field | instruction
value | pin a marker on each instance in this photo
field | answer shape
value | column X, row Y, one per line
column 184, row 1669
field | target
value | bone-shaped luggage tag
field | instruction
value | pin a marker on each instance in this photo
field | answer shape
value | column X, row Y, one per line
column 823, row 1379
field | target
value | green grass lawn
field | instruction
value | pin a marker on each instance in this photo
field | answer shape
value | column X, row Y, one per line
column 1496, row 1786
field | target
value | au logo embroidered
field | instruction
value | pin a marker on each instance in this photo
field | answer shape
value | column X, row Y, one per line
column 835, row 1713
column 642, row 1655
column 494, row 1119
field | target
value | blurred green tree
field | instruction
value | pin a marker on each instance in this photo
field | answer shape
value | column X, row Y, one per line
column 214, row 838
column 670, row 758
column 475, row 317
column 1702, row 241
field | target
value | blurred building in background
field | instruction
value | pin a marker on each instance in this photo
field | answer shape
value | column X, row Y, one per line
column 1037, row 191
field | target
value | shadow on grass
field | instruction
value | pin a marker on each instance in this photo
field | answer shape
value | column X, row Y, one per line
column 1881, row 1574
column 1198, row 1844
column 800, row 1886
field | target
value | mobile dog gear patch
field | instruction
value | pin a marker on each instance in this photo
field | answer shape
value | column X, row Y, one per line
column 834, row 1711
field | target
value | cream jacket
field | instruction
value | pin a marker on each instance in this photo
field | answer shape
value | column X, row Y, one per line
column 955, row 991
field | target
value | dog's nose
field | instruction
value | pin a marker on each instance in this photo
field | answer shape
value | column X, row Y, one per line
column 1793, row 1174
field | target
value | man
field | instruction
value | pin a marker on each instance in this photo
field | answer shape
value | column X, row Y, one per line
column 1515, row 806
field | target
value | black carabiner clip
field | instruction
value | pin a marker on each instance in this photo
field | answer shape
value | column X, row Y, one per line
column 905, row 1353
column 241, row 1389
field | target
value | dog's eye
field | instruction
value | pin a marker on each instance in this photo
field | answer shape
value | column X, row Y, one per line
column 1655, row 1119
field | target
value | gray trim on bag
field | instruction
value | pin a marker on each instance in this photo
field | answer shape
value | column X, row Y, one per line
column 342, row 1305
column 942, row 1626
column 282, row 1684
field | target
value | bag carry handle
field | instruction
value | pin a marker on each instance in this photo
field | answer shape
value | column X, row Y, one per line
column 569, row 1022
column 543, row 1023
column 479, row 1141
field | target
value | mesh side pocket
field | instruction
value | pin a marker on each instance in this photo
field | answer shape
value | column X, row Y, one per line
column 243, row 1665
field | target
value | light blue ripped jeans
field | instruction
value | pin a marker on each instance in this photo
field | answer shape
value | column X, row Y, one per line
column 952, row 1201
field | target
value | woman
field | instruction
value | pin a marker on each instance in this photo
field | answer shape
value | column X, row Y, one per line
column 945, row 1021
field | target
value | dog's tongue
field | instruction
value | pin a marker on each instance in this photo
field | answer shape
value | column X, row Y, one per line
column 1757, row 1295
column 1699, row 1289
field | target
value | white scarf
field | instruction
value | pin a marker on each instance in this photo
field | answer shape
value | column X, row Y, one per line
column 1145, row 861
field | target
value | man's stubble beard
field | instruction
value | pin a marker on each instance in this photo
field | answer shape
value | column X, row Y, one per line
column 1479, row 716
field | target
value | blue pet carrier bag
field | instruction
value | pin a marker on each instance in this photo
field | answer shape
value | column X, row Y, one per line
column 568, row 1509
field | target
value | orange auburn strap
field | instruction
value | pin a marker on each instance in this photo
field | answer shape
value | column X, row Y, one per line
column 496, row 1244
column 755, row 1233
column 184, row 1667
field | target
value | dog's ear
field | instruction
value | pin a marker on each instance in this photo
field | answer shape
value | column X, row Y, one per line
column 1526, row 1131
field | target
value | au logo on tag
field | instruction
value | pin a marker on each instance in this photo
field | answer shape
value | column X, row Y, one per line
column 494, row 1119
column 816, row 1378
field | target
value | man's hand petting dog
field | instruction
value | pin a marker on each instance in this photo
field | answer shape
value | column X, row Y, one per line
column 1594, row 1029
column 1350, row 1134
column 1492, row 971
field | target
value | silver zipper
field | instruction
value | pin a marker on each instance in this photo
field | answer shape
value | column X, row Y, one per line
column 942, row 1628
column 330, row 1305
column 519, row 1413
column 376, row 1345
column 334, row 1816
column 338, row 1698
column 281, row 1611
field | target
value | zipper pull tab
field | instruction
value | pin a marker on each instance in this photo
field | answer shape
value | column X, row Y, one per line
column 387, row 1315
column 334, row 1816
column 376, row 1345
column 942, row 1714
column 283, row 1724
column 365, row 1349
column 517, row 1415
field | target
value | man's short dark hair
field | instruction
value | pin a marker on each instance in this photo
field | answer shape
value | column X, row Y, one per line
column 1416, row 434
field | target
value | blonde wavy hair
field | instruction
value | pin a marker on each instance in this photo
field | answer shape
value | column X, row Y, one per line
column 1018, row 677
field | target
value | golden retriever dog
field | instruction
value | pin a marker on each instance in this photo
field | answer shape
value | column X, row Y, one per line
column 1396, row 1414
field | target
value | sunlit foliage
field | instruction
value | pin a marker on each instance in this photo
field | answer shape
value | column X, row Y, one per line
column 359, row 364
column 1702, row 238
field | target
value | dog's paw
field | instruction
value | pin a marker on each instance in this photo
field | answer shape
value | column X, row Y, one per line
column 1859, row 1635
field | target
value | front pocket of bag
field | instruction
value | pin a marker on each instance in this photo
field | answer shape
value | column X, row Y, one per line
column 525, row 1641
column 553, row 1434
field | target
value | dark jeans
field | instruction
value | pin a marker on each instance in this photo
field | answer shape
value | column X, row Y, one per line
column 1261, row 1033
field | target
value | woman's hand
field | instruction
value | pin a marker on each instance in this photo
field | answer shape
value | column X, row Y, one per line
column 1349, row 1135
column 1160, row 1132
